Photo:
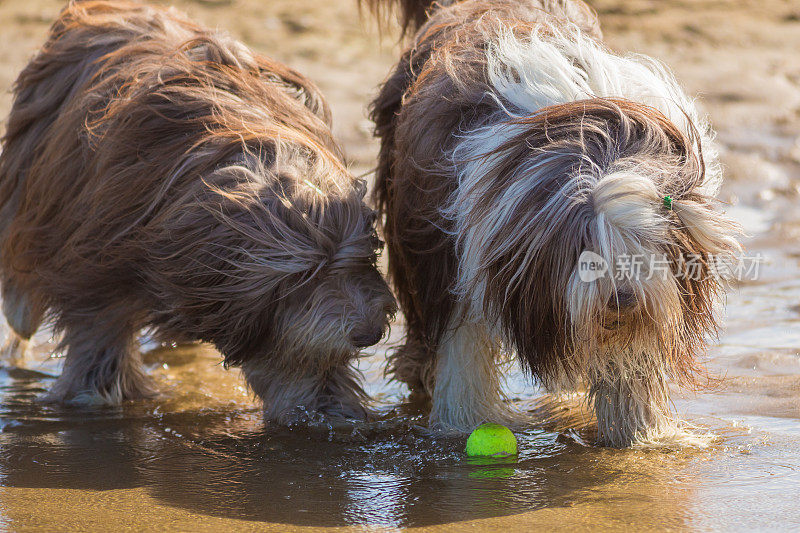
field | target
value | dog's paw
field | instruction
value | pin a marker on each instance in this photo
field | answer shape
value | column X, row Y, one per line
column 74, row 398
column 323, row 415
column 454, row 420
column 66, row 391
column 346, row 411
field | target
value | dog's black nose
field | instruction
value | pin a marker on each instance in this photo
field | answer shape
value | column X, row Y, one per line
column 363, row 337
column 622, row 300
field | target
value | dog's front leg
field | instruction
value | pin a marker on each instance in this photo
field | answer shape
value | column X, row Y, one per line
column 467, row 388
column 293, row 393
column 101, row 367
column 630, row 409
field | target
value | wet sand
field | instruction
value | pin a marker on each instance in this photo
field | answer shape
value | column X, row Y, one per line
column 199, row 458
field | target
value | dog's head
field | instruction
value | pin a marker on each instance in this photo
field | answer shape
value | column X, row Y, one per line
column 575, row 232
column 275, row 262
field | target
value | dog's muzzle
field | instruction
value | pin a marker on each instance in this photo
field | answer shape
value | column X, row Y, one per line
column 366, row 335
column 619, row 307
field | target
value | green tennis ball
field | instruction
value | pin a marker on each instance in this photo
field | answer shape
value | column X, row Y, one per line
column 491, row 440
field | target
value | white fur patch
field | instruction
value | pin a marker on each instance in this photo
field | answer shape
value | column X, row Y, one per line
column 468, row 389
column 560, row 65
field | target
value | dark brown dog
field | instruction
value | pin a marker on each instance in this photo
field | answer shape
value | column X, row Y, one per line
column 513, row 142
column 157, row 174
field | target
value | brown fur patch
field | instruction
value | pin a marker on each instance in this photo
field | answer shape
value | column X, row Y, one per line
column 156, row 173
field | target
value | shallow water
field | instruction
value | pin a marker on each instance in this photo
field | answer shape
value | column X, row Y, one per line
column 199, row 456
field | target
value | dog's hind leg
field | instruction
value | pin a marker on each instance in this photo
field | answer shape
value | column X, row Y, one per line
column 23, row 320
column 291, row 394
column 413, row 363
column 102, row 366
column 467, row 389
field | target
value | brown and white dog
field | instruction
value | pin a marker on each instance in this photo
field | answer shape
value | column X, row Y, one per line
column 156, row 174
column 513, row 143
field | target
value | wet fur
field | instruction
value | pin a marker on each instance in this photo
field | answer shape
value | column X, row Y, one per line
column 511, row 141
column 158, row 174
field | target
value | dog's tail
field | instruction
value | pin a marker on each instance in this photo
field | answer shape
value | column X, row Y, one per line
column 412, row 14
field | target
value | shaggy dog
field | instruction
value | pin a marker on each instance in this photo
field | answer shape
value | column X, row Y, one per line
column 159, row 175
column 513, row 143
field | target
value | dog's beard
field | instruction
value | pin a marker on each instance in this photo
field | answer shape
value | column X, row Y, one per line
column 627, row 341
column 302, row 364
column 299, row 359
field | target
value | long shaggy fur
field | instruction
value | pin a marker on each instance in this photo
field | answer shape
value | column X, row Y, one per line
column 157, row 174
column 511, row 142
